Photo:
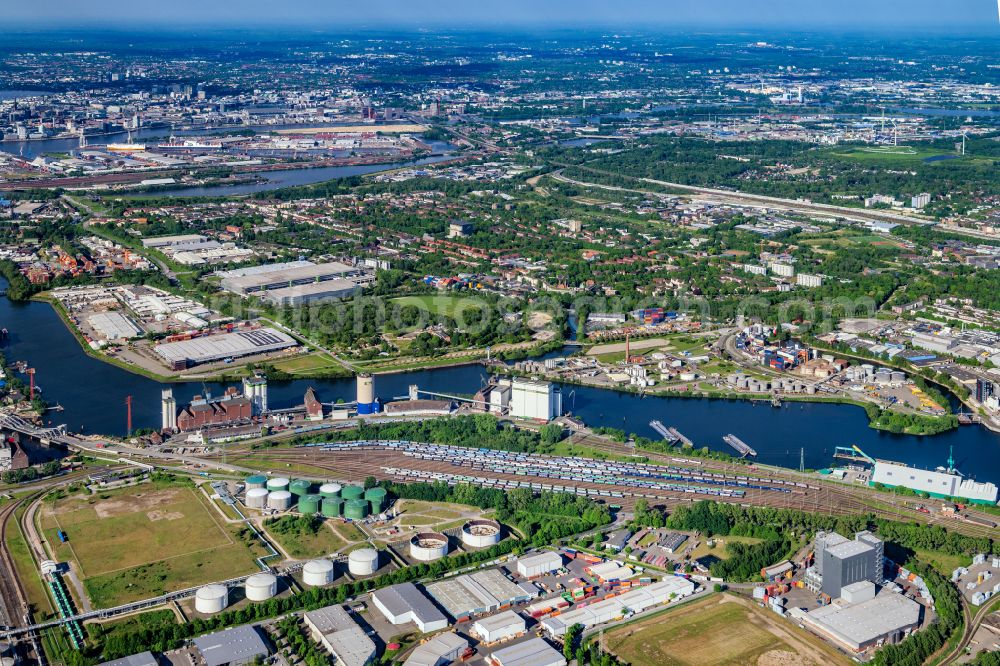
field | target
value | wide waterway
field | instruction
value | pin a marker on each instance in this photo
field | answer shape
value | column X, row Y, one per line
column 93, row 394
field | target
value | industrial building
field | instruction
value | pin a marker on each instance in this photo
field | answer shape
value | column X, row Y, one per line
column 532, row 399
column 184, row 353
column 539, row 565
column 610, row 571
column 944, row 484
column 405, row 603
column 233, row 647
column 535, row 652
column 478, row 593
column 141, row 659
column 204, row 411
column 172, row 241
column 500, row 627
column 297, row 283
column 857, row 626
column 841, row 562
column 255, row 390
column 334, row 629
column 634, row 601
column 441, row 650
column 114, row 326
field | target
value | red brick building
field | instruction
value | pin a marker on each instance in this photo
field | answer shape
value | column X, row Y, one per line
column 202, row 412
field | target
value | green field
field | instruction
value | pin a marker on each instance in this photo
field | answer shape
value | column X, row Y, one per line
column 719, row 551
column 717, row 631
column 438, row 304
column 302, row 544
column 143, row 541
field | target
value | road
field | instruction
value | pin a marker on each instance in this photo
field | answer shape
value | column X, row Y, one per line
column 971, row 626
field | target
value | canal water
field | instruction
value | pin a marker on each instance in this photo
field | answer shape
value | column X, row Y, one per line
column 93, row 395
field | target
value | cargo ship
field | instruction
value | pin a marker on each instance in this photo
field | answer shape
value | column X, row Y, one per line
column 189, row 144
column 125, row 147
column 741, row 447
column 663, row 432
column 680, row 437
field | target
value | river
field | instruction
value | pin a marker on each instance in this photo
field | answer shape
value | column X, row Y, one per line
column 93, row 395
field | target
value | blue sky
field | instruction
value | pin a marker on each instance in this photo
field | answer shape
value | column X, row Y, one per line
column 876, row 15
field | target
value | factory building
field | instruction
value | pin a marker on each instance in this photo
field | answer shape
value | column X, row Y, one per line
column 233, row 647
column 405, row 603
column 539, row 565
column 478, row 593
column 204, row 411
column 500, row 627
column 114, row 326
column 535, row 652
column 334, row 629
column 523, row 398
column 937, row 484
column 635, row 600
column 441, row 650
column 210, row 348
column 863, row 620
column 297, row 283
column 841, row 562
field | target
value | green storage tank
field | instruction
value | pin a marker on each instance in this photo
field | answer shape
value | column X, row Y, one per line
column 355, row 509
column 309, row 504
column 352, row 492
column 300, row 487
column 256, row 481
column 376, row 497
column 333, row 507
column 330, row 490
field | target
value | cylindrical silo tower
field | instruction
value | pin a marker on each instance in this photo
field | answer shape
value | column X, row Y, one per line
column 366, row 394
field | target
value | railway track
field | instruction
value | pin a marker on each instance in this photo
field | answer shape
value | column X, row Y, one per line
column 14, row 606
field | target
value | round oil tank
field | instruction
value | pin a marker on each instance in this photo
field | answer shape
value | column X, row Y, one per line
column 481, row 533
column 309, row 504
column 428, row 546
column 352, row 492
column 366, row 389
column 355, row 509
column 376, row 497
column 362, row 562
column 256, row 481
column 261, row 587
column 211, row 599
column 332, row 507
column 300, row 487
column 256, row 498
column 330, row 490
column 278, row 483
column 279, row 500
column 317, row 572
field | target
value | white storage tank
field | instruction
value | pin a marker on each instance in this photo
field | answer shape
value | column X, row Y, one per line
column 211, row 599
column 279, row 500
column 481, row 533
column 428, row 546
column 261, row 587
column 363, row 562
column 330, row 490
column 316, row 573
column 256, row 498
column 278, row 483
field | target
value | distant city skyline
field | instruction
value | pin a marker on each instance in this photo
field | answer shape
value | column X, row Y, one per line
column 327, row 14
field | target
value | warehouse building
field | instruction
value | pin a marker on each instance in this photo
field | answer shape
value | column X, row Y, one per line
column 611, row 571
column 141, row 659
column 500, row 627
column 172, row 241
column 286, row 278
column 405, row 603
column 886, row 618
column 334, row 629
column 114, row 326
column 635, row 601
column 535, row 652
column 478, row 593
column 441, row 650
column 233, row 647
column 936, row 484
column 211, row 348
column 539, row 565
column 301, row 294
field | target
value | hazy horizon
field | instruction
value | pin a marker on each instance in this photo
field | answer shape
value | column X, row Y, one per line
column 977, row 16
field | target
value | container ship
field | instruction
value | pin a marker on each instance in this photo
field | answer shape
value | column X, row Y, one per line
column 741, row 447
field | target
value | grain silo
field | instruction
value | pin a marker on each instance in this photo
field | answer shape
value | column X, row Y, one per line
column 279, row 500
column 278, row 483
column 330, row 490
column 332, row 507
column 309, row 504
column 316, row 573
column 376, row 497
column 211, row 599
column 261, row 587
column 256, row 498
column 363, row 562
column 366, row 394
